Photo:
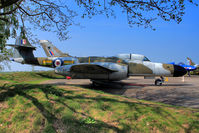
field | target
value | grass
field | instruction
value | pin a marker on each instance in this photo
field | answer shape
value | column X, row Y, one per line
column 28, row 77
column 32, row 107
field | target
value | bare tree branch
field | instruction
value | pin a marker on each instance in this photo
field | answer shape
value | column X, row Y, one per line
column 6, row 3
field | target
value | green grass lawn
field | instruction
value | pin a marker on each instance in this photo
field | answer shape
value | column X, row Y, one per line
column 31, row 107
column 28, row 77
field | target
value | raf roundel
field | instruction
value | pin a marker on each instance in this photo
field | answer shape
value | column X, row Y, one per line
column 57, row 62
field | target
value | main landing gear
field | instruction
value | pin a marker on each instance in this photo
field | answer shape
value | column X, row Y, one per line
column 96, row 83
column 105, row 83
column 158, row 82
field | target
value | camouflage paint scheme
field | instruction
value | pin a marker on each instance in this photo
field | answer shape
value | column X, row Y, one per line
column 24, row 54
column 117, row 70
column 100, row 68
column 93, row 59
column 96, row 68
column 45, row 61
column 51, row 50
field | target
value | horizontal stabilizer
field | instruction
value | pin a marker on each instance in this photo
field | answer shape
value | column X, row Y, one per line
column 21, row 46
column 26, row 52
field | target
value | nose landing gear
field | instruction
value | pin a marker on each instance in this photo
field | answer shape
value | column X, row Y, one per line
column 158, row 82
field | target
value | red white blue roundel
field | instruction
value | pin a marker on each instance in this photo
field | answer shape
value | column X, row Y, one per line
column 57, row 63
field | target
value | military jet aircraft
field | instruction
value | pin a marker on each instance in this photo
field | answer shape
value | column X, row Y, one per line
column 98, row 69
column 189, row 68
column 109, row 69
column 23, row 53
column 106, row 69
column 118, row 69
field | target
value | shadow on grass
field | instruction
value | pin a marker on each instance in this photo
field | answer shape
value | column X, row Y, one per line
column 118, row 88
column 9, row 91
column 18, row 77
column 50, row 76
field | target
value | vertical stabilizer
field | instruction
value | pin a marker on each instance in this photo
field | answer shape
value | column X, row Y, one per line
column 190, row 62
column 22, row 42
column 22, row 49
column 51, row 50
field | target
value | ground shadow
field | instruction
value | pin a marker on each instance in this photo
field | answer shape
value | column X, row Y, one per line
column 50, row 76
column 118, row 88
column 9, row 91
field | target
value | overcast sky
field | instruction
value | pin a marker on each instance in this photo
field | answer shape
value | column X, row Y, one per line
column 100, row 36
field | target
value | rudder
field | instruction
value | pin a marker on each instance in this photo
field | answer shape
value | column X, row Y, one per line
column 51, row 50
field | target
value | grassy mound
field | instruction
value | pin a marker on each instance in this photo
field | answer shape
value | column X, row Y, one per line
column 28, row 77
column 49, row 108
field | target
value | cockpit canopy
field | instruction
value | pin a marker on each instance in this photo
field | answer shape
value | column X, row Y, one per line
column 133, row 57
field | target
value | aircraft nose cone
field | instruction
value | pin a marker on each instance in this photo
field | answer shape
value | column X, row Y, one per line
column 179, row 71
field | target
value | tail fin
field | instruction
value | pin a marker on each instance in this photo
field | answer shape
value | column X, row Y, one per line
column 51, row 50
column 190, row 62
column 22, row 48
column 20, row 41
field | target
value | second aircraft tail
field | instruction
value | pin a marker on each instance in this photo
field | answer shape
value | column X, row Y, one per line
column 190, row 62
column 51, row 50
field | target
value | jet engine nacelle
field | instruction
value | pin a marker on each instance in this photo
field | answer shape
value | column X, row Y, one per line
column 121, row 72
column 120, row 75
column 106, row 71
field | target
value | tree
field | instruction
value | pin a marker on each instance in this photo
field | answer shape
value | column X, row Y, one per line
column 8, row 26
column 58, row 15
column 46, row 15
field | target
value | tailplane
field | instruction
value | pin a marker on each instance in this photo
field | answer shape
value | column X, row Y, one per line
column 51, row 50
column 22, row 50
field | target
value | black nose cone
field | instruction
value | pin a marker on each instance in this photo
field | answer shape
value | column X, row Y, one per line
column 179, row 71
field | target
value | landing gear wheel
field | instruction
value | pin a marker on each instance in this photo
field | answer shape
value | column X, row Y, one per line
column 189, row 74
column 158, row 82
column 94, row 84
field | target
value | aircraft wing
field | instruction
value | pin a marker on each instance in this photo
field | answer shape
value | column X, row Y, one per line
column 90, row 69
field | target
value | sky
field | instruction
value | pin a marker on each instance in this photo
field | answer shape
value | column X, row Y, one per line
column 101, row 36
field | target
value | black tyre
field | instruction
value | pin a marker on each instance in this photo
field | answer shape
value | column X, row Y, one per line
column 158, row 82
column 94, row 84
